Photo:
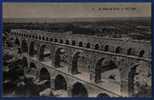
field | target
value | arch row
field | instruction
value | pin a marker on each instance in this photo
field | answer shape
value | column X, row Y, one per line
column 97, row 46
column 77, row 89
column 45, row 55
column 25, row 49
column 60, row 79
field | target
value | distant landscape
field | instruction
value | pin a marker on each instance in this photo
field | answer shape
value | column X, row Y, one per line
column 116, row 27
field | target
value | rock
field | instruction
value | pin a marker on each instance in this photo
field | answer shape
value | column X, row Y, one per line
column 46, row 92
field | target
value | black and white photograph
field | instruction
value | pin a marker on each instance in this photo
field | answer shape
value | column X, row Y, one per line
column 77, row 49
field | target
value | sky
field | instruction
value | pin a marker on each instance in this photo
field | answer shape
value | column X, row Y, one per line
column 75, row 10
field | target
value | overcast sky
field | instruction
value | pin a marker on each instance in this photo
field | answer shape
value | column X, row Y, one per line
column 54, row 10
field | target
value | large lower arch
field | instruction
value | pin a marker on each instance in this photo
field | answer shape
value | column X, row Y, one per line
column 44, row 78
column 102, row 66
column 32, row 49
column 79, row 90
column 17, row 42
column 139, row 80
column 79, row 63
column 74, row 69
column 45, row 53
column 60, row 83
column 24, row 46
column 58, row 58
column 44, row 74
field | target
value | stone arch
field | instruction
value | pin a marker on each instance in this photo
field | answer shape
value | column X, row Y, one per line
column 60, row 83
column 45, row 53
column 141, row 53
column 32, row 36
column 24, row 46
column 73, row 42
column 103, row 95
column 88, row 45
column 103, row 65
column 58, row 58
column 33, row 49
column 51, row 39
column 61, row 41
column 80, row 63
column 17, row 42
column 129, row 51
column 56, row 40
column 74, row 69
column 106, row 48
column 39, row 37
column 67, row 42
column 97, row 46
column 79, row 90
column 44, row 75
column 43, row 38
column 80, row 44
column 118, row 49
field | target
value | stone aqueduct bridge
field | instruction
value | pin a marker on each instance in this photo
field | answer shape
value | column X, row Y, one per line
column 76, row 62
